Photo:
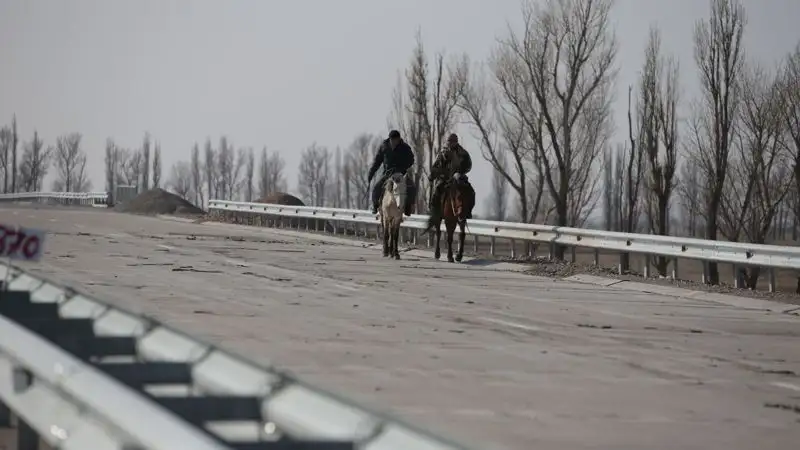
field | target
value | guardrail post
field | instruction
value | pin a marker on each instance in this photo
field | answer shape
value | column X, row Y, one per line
column 646, row 268
column 573, row 254
column 674, row 268
column 596, row 260
column 771, row 279
column 475, row 244
column 737, row 277
column 513, row 249
column 492, row 245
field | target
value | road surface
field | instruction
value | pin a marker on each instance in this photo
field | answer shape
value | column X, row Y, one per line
column 496, row 359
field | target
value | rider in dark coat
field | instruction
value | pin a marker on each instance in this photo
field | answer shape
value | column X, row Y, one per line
column 453, row 162
column 395, row 156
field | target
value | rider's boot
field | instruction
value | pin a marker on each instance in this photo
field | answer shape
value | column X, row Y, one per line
column 374, row 208
column 408, row 208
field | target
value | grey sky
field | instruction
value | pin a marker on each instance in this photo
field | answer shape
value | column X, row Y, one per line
column 278, row 73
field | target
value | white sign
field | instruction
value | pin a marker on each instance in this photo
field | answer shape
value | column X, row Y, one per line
column 19, row 243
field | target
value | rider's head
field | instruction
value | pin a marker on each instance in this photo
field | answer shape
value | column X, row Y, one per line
column 452, row 141
column 394, row 138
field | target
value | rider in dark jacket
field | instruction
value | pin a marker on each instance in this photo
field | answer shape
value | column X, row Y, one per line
column 395, row 156
column 453, row 162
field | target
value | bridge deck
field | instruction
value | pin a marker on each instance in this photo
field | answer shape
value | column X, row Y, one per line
column 496, row 359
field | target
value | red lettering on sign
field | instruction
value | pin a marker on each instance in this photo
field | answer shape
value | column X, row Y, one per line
column 31, row 247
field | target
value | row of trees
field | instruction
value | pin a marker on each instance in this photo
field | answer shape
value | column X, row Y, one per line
column 325, row 178
column 139, row 167
column 726, row 162
column 26, row 172
column 223, row 172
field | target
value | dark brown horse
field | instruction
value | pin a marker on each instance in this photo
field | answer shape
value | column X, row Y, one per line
column 457, row 201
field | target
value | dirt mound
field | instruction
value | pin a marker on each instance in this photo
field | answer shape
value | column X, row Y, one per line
column 158, row 201
column 281, row 198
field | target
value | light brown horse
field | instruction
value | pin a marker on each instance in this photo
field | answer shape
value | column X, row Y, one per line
column 391, row 211
column 457, row 201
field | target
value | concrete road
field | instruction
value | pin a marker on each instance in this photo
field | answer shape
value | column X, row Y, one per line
column 497, row 359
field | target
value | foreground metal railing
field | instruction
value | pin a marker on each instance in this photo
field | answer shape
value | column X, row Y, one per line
column 362, row 222
column 82, row 374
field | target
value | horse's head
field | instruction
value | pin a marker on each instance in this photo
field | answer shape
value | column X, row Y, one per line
column 396, row 185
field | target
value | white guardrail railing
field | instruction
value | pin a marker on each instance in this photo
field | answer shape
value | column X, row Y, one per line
column 97, row 199
column 674, row 248
column 84, row 375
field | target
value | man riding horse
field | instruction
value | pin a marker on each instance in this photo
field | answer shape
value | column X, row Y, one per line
column 451, row 165
column 395, row 156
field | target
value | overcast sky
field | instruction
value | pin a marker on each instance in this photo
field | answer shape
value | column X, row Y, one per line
column 279, row 73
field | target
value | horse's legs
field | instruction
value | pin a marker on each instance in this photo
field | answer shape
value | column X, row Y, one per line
column 437, row 252
column 386, row 232
column 461, row 237
column 396, row 241
column 450, row 225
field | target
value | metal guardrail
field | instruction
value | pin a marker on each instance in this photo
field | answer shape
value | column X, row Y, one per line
column 82, row 374
column 98, row 199
column 674, row 248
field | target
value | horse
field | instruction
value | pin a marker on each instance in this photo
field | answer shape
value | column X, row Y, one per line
column 391, row 211
column 456, row 203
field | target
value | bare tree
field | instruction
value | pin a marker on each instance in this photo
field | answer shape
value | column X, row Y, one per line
column 660, row 140
column 14, row 145
column 358, row 161
column 112, row 165
column 347, row 180
column 249, row 174
column 501, row 133
column 498, row 202
column 236, row 178
column 791, row 92
column 130, row 167
column 650, row 157
column 70, row 162
column 180, row 179
column 5, row 152
column 34, row 164
column 426, row 112
column 632, row 156
column 692, row 197
column 197, row 176
column 145, row 163
column 229, row 167
column 314, row 175
column 225, row 161
column 270, row 174
column 337, row 191
column 157, row 166
column 211, row 171
column 264, row 189
column 761, row 173
column 614, row 187
column 719, row 54
column 558, row 77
